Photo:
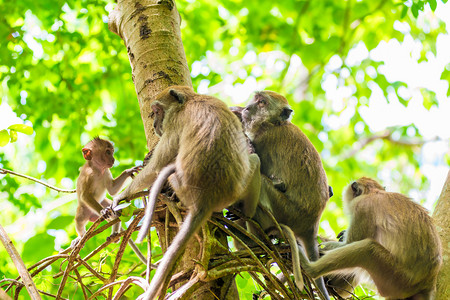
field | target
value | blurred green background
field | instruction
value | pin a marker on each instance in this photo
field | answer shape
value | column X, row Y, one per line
column 368, row 81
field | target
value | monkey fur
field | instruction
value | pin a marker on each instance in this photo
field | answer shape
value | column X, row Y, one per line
column 288, row 155
column 390, row 237
column 213, row 168
column 94, row 180
column 340, row 284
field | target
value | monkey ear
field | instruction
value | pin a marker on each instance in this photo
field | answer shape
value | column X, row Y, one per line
column 286, row 113
column 356, row 190
column 181, row 98
column 87, row 153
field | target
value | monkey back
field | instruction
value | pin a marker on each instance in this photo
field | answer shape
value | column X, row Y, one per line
column 212, row 154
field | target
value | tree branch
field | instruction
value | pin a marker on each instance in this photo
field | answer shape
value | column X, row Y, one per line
column 18, row 262
column 5, row 171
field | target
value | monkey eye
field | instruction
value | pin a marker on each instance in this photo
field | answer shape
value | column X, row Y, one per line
column 108, row 152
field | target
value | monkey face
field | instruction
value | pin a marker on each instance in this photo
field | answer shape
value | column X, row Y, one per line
column 100, row 152
column 158, row 117
column 104, row 157
column 267, row 106
column 237, row 110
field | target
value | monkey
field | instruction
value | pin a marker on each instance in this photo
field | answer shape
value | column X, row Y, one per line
column 390, row 237
column 213, row 169
column 278, row 183
column 94, row 180
column 340, row 284
column 287, row 154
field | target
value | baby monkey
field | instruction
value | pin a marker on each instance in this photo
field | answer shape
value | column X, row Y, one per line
column 94, row 180
column 390, row 237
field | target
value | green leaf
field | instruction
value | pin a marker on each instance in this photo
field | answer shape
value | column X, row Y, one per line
column 4, row 137
column 61, row 222
column 433, row 4
column 41, row 245
column 404, row 12
column 13, row 135
column 415, row 10
column 22, row 128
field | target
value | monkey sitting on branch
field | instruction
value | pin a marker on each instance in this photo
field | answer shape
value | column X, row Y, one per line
column 94, row 180
column 390, row 237
column 288, row 155
column 203, row 146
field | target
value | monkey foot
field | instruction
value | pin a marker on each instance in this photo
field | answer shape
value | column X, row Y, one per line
column 109, row 214
column 75, row 242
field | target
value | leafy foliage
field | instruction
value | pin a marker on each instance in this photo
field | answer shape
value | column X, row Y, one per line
column 63, row 72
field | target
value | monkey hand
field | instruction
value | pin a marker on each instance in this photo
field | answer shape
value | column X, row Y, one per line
column 327, row 246
column 109, row 214
column 75, row 242
column 232, row 217
column 341, row 234
column 130, row 172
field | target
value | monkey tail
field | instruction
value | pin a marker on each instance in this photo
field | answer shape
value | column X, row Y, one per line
column 298, row 278
column 189, row 227
column 153, row 196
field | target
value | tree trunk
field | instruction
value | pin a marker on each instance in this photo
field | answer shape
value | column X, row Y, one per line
column 150, row 30
column 442, row 219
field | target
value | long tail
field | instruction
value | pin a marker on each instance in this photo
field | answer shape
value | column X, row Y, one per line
column 189, row 227
column 153, row 196
column 298, row 278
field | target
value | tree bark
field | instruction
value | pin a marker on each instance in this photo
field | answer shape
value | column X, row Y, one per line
column 441, row 216
column 150, row 30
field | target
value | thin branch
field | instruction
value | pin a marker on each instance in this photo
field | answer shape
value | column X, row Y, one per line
column 122, row 247
column 75, row 253
column 18, row 262
column 387, row 136
column 132, row 279
column 5, row 171
column 80, row 281
column 283, row 289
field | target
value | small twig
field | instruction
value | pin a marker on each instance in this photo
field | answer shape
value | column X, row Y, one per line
column 80, row 281
column 132, row 279
column 283, row 289
column 184, row 288
column 149, row 252
column 75, row 253
column 90, row 269
column 122, row 247
column 50, row 295
column 274, row 253
column 6, row 171
column 18, row 262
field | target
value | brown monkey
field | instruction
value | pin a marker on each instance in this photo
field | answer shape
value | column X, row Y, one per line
column 287, row 154
column 390, row 237
column 340, row 284
column 94, row 180
column 212, row 168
